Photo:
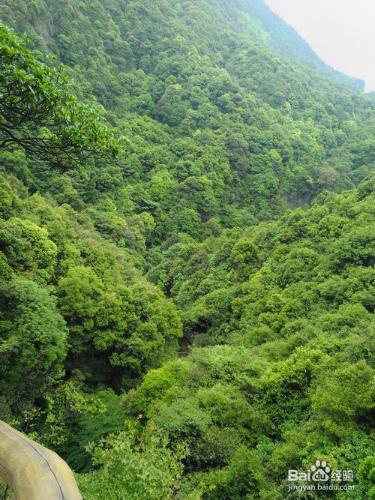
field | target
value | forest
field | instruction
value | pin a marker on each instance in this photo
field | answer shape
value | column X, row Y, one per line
column 187, row 249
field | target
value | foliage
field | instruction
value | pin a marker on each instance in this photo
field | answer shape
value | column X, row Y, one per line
column 236, row 225
column 145, row 471
column 38, row 113
column 33, row 341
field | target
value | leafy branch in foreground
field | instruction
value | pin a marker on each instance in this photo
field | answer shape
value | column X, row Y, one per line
column 39, row 114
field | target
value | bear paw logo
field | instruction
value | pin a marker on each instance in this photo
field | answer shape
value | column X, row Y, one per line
column 320, row 471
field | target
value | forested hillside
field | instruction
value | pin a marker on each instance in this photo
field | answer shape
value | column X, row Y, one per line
column 187, row 249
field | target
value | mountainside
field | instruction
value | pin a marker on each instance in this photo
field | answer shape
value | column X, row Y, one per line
column 187, row 248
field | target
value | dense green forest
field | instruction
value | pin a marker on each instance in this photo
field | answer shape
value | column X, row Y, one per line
column 187, row 249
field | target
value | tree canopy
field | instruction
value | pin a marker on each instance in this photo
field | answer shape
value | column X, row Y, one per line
column 187, row 249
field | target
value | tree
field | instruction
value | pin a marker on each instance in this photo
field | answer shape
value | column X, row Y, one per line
column 39, row 114
column 32, row 342
column 136, row 471
column 116, row 332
